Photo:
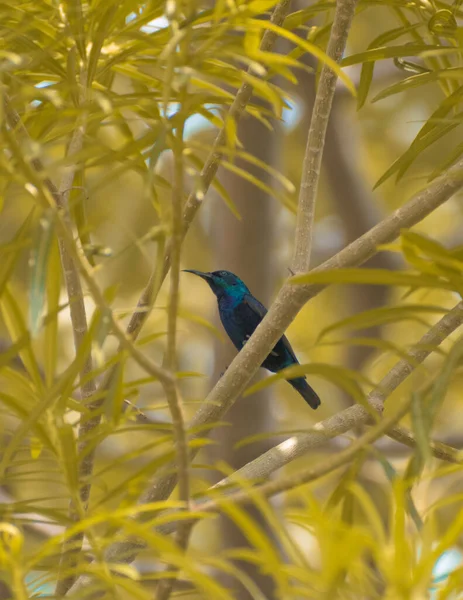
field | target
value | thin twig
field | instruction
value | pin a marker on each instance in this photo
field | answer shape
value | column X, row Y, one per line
column 72, row 546
column 166, row 586
column 174, row 400
column 311, row 165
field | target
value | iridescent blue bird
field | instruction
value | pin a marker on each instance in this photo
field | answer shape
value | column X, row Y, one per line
column 240, row 314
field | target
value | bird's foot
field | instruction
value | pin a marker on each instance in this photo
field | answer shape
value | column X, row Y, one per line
column 223, row 373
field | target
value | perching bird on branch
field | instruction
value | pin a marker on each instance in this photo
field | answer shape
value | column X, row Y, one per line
column 240, row 314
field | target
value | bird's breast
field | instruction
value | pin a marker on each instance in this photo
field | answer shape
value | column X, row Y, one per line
column 232, row 323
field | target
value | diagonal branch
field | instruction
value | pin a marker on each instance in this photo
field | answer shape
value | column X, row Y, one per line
column 401, row 370
column 296, row 446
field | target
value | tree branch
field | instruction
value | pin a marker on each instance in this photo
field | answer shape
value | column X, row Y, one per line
column 311, row 165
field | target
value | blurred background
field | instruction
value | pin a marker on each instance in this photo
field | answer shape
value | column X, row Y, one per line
column 254, row 238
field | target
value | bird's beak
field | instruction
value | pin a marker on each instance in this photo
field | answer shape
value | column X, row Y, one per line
column 206, row 276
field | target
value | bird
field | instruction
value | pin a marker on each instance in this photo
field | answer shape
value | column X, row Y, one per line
column 240, row 314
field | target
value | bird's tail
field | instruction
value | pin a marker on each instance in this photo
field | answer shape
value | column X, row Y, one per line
column 300, row 384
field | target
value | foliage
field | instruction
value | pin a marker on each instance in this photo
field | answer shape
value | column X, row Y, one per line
column 98, row 104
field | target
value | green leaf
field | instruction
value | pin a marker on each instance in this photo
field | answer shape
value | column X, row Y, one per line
column 75, row 19
column 384, row 345
column 346, row 379
column 419, row 144
column 300, row 17
column 341, row 493
column 198, row 320
column 221, row 190
column 286, row 183
column 17, row 329
column 18, row 406
column 266, row 91
column 419, row 80
column 432, row 258
column 308, row 47
column 438, row 115
column 383, row 315
column 392, row 476
column 371, row 512
column 452, row 158
column 267, row 554
column 10, row 252
column 442, row 382
column 36, row 447
column 114, row 400
column 426, row 244
column 98, row 37
column 51, row 320
column 247, row 176
column 366, row 76
column 40, row 253
column 413, row 49
column 422, row 425
column 434, row 128
column 372, row 277
column 443, row 23
column 68, row 455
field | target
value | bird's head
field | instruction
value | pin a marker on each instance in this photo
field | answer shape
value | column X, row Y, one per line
column 222, row 282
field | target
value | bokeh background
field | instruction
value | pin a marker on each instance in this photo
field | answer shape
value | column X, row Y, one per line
column 253, row 238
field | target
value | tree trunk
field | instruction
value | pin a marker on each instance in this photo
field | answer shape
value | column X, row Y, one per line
column 246, row 248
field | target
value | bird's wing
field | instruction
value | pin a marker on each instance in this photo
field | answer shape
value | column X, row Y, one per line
column 255, row 306
column 260, row 310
